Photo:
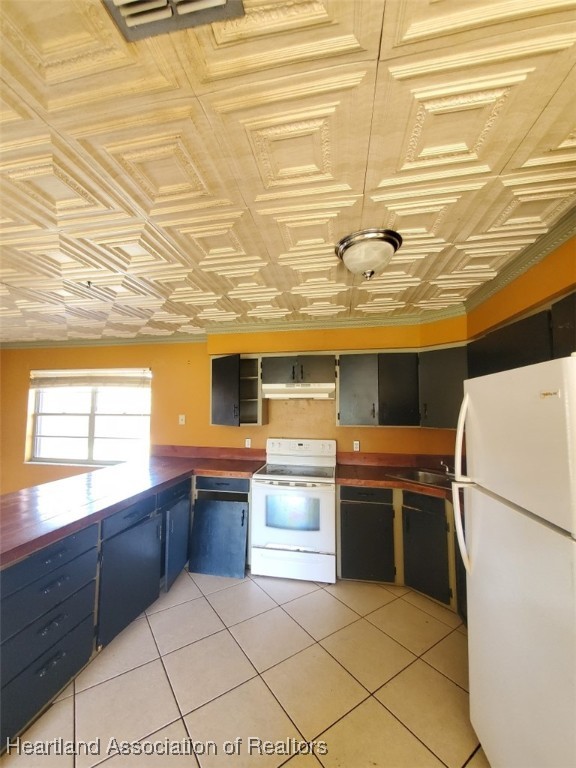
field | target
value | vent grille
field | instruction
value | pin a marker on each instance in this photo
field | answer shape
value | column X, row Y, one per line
column 138, row 19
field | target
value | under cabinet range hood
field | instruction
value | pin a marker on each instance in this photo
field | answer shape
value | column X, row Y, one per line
column 300, row 390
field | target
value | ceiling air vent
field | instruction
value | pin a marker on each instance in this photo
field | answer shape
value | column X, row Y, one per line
column 138, row 19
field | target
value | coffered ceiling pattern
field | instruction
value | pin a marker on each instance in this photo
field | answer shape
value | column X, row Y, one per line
column 197, row 182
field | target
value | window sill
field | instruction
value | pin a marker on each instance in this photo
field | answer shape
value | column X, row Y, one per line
column 48, row 463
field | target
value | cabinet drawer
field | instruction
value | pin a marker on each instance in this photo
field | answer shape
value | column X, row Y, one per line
column 41, row 596
column 21, row 649
column 365, row 493
column 238, row 484
column 128, row 517
column 423, row 503
column 46, row 560
column 173, row 493
column 33, row 688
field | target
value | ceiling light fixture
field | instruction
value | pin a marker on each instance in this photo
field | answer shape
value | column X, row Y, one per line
column 368, row 251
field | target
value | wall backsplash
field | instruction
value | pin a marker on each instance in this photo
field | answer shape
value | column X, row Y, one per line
column 302, row 418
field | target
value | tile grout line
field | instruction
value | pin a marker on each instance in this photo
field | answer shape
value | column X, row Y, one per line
column 259, row 674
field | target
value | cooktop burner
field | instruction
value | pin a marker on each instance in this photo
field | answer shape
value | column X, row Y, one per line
column 295, row 470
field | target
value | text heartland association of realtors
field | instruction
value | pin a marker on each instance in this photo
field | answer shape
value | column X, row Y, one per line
column 251, row 745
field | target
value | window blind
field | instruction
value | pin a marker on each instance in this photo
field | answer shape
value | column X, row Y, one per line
column 91, row 377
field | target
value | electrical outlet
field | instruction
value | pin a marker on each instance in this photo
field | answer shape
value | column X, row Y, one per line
column 356, row 445
column 182, row 419
column 247, row 443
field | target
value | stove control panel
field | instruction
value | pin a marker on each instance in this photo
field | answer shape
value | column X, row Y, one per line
column 280, row 446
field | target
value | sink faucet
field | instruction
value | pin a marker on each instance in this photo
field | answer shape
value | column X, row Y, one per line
column 446, row 467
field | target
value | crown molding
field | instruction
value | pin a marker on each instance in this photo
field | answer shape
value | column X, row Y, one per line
column 529, row 257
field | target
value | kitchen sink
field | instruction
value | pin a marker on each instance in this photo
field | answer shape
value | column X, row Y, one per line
column 425, row 477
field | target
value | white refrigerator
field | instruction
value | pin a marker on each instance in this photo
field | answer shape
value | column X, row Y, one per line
column 518, row 545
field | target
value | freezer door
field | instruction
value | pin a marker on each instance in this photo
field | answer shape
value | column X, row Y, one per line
column 522, row 636
column 521, row 438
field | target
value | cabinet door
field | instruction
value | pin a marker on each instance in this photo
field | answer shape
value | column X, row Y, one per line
column 316, row 369
column 398, row 389
column 226, row 390
column 177, row 539
column 306, row 369
column 218, row 537
column 358, row 389
column 426, row 548
column 367, row 541
column 441, row 375
column 129, row 576
column 461, row 596
column 521, row 343
column 279, row 370
column 564, row 326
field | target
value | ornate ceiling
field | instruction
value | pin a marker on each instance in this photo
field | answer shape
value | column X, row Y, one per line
column 197, row 182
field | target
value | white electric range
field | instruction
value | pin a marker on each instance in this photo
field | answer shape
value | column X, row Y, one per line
column 293, row 511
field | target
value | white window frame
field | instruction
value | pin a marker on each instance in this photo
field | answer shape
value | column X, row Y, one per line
column 95, row 380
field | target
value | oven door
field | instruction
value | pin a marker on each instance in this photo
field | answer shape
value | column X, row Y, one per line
column 295, row 516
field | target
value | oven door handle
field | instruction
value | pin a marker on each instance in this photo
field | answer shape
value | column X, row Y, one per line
column 291, row 484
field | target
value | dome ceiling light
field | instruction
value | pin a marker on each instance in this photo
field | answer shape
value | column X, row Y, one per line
column 368, row 251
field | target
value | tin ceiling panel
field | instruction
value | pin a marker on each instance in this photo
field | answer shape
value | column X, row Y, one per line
column 198, row 181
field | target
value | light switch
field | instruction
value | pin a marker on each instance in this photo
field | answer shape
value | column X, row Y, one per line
column 182, row 419
column 247, row 443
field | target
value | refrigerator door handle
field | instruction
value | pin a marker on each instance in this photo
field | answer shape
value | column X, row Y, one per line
column 458, row 523
column 459, row 477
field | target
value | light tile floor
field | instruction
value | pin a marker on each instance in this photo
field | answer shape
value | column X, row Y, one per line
column 270, row 672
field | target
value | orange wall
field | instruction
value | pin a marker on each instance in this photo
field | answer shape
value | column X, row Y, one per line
column 180, row 385
column 553, row 276
column 181, row 378
column 448, row 331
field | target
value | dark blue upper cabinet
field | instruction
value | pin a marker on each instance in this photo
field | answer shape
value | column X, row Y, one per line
column 563, row 313
column 524, row 342
column 441, row 375
column 358, row 396
column 226, row 390
column 398, row 389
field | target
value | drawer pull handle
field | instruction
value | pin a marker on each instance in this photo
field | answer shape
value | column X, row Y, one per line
column 56, row 556
column 55, row 585
column 54, row 661
column 54, row 624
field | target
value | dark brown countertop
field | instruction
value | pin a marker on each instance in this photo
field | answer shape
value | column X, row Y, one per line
column 34, row 517
column 382, row 477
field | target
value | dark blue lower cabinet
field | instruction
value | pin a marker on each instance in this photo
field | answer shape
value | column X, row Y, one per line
column 426, row 546
column 218, row 537
column 130, row 573
column 20, row 608
column 26, row 694
column 177, row 539
column 39, row 636
column 367, row 541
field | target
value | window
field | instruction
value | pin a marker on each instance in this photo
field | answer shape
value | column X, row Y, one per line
column 99, row 416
